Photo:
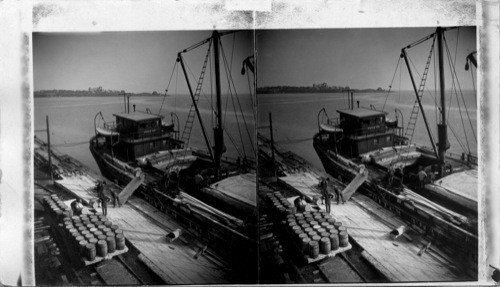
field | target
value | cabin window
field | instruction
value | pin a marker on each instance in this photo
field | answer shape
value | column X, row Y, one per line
column 388, row 138
column 375, row 141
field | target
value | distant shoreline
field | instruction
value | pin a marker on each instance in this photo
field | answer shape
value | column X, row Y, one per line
column 320, row 92
column 65, row 94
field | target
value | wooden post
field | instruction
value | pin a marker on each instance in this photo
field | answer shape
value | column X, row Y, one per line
column 50, row 153
column 272, row 144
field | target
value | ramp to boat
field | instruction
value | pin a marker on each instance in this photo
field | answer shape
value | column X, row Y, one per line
column 132, row 186
column 354, row 185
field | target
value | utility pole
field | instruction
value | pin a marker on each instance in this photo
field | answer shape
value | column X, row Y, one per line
column 50, row 153
column 272, row 144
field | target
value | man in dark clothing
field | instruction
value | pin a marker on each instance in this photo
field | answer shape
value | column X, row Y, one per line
column 77, row 207
column 338, row 192
column 300, row 203
column 116, row 199
column 326, row 195
column 102, row 198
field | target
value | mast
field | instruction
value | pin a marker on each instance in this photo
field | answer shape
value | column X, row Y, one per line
column 442, row 129
column 218, row 132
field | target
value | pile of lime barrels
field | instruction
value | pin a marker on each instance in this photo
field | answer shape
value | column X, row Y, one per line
column 312, row 233
column 90, row 234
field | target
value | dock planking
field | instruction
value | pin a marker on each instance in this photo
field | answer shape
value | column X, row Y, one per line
column 175, row 260
column 146, row 228
column 369, row 224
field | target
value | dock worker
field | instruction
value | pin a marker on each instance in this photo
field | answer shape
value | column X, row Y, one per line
column 77, row 207
column 326, row 195
column 300, row 203
column 116, row 198
column 198, row 180
column 339, row 195
column 422, row 176
column 103, row 201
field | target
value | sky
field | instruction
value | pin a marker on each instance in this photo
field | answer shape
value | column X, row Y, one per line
column 358, row 58
column 143, row 61
column 130, row 61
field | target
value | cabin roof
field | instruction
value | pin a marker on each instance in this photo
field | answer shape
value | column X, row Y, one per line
column 361, row 113
column 138, row 116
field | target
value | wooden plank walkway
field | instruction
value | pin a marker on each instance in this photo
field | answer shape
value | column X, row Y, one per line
column 174, row 260
column 369, row 225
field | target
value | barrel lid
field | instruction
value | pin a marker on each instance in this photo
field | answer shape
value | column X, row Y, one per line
column 101, row 242
column 337, row 223
column 313, row 242
column 343, row 233
column 92, row 240
column 110, row 238
column 101, row 237
column 316, row 237
column 114, row 226
column 90, row 246
column 325, row 239
column 119, row 236
column 110, row 234
column 325, row 234
column 306, row 239
column 83, row 242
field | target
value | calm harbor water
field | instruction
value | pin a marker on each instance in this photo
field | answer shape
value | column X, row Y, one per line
column 72, row 121
column 295, row 117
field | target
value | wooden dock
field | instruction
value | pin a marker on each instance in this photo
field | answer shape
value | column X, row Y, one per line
column 146, row 228
column 369, row 226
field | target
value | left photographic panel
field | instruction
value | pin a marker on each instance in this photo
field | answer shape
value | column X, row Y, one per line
column 145, row 158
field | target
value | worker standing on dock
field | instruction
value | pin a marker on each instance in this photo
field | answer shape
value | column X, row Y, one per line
column 300, row 203
column 338, row 192
column 102, row 198
column 326, row 195
column 116, row 199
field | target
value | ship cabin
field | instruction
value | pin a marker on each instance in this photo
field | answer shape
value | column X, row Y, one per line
column 142, row 134
column 359, row 131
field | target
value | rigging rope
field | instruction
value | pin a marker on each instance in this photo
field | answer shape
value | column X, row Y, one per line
column 168, row 86
column 390, row 86
column 239, row 104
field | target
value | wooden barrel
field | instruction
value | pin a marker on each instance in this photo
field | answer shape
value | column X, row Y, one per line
column 77, row 224
column 324, row 224
column 301, row 236
column 325, row 245
column 304, row 246
column 85, row 232
column 308, row 229
column 73, row 230
column 101, row 227
column 80, row 238
column 327, row 216
column 118, row 231
column 81, row 246
column 320, row 230
column 316, row 238
column 102, row 248
column 343, row 239
column 110, row 240
column 94, row 221
column 75, row 218
column 313, row 249
column 101, row 237
column 89, row 236
column 106, row 230
column 317, row 216
column 301, row 221
column 114, row 227
column 334, row 241
column 316, row 227
column 93, row 229
column 304, row 226
column 92, row 240
column 331, row 220
column 82, row 228
column 97, row 233
column 313, row 222
column 299, row 215
column 337, row 224
column 110, row 234
column 324, row 234
column 312, row 233
column 321, row 220
column 294, row 227
column 85, row 221
column 90, row 251
column 120, row 241
column 342, row 228
column 102, row 217
column 108, row 223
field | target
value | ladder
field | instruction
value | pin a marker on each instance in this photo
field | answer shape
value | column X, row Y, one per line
column 188, row 127
column 412, row 122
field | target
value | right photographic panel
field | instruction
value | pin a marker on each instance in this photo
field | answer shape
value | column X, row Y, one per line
column 368, row 167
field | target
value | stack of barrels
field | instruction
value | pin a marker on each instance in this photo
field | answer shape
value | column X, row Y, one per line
column 91, row 234
column 313, row 233
column 56, row 207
